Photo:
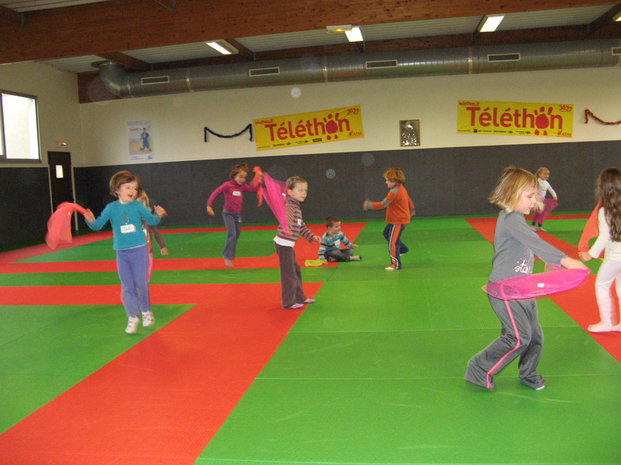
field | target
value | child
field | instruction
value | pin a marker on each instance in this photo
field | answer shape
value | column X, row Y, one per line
column 609, row 222
column 132, row 258
column 330, row 248
column 399, row 209
column 233, row 204
column 290, row 274
column 515, row 245
column 151, row 230
column 548, row 204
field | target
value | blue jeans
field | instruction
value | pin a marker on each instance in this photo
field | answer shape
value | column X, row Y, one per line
column 232, row 221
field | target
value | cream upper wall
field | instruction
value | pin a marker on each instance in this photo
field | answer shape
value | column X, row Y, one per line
column 178, row 120
column 96, row 133
column 57, row 97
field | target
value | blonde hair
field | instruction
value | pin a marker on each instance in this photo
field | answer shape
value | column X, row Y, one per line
column 509, row 188
column 608, row 192
column 394, row 175
column 239, row 167
column 293, row 180
column 123, row 177
column 542, row 170
column 144, row 198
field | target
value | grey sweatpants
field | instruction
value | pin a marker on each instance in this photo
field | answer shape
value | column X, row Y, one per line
column 521, row 336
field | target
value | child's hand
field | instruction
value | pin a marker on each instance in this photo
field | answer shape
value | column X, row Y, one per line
column 364, row 205
column 88, row 216
column 164, row 250
column 585, row 256
column 572, row 263
column 159, row 211
column 354, row 246
column 210, row 211
column 316, row 239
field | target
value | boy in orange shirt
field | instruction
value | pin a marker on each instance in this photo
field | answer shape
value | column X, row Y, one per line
column 399, row 209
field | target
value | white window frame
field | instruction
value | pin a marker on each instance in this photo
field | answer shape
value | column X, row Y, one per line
column 31, row 132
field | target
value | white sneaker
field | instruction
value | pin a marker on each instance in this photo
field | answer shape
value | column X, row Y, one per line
column 132, row 325
column 147, row 319
column 601, row 327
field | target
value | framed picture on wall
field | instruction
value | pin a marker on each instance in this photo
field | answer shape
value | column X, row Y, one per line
column 409, row 130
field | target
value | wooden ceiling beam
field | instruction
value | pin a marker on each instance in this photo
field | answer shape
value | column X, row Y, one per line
column 11, row 18
column 605, row 21
column 122, row 25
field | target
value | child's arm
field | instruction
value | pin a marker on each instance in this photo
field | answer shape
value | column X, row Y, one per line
column 96, row 223
column 159, row 239
column 89, row 216
column 322, row 249
column 348, row 243
column 571, row 263
column 602, row 238
column 213, row 197
column 159, row 211
column 392, row 194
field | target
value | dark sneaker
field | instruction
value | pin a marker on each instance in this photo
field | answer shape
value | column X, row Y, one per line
column 537, row 384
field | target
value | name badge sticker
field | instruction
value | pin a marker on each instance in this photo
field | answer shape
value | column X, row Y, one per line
column 128, row 228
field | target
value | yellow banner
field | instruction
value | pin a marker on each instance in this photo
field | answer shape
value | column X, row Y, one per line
column 515, row 118
column 308, row 128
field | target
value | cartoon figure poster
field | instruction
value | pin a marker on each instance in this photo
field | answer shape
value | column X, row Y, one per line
column 140, row 135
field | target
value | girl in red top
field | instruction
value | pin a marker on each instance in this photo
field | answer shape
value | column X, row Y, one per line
column 399, row 209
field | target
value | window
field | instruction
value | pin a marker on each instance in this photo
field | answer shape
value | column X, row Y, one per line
column 19, row 128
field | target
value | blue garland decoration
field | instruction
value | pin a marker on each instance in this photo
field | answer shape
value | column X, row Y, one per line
column 247, row 128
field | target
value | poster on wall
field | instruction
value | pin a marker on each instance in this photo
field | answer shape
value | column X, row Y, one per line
column 140, row 135
column 317, row 127
column 515, row 118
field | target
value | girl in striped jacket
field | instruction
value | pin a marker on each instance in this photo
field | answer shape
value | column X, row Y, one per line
column 290, row 273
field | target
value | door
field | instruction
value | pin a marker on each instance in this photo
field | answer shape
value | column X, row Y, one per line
column 60, row 178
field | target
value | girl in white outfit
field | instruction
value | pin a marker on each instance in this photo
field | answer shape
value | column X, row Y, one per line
column 543, row 174
column 608, row 193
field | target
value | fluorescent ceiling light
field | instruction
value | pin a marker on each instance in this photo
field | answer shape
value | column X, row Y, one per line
column 355, row 35
column 223, row 47
column 490, row 23
column 617, row 17
column 338, row 29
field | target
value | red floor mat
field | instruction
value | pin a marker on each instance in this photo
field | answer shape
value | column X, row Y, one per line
column 163, row 400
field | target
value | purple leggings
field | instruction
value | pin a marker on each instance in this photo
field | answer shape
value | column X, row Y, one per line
column 133, row 265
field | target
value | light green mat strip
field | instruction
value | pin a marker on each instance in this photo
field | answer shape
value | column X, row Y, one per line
column 373, row 372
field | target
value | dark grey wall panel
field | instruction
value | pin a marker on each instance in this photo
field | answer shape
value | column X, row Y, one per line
column 449, row 181
column 24, row 204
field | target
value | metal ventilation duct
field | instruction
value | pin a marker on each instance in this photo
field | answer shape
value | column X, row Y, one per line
column 467, row 60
